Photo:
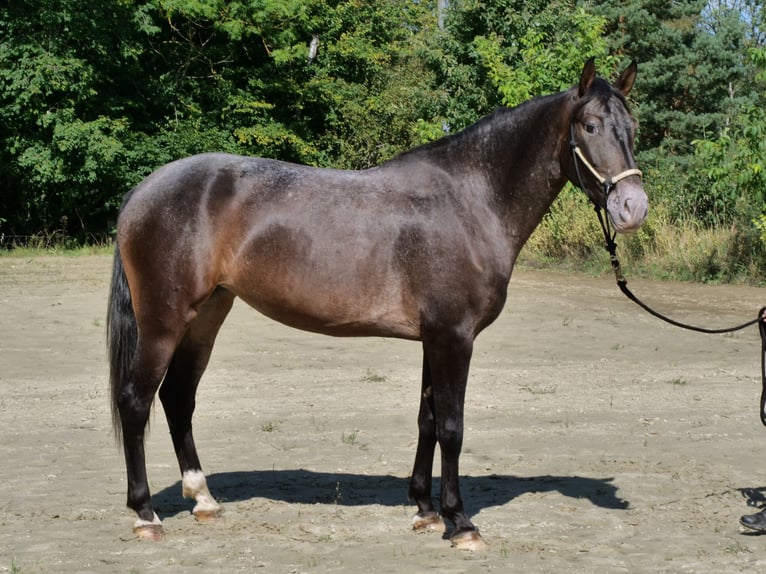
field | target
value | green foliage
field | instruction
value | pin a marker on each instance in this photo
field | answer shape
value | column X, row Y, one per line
column 63, row 146
column 505, row 51
column 732, row 170
column 546, row 57
column 734, row 167
column 95, row 95
column 760, row 225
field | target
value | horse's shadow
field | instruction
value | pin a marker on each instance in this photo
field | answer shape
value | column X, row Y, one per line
column 345, row 489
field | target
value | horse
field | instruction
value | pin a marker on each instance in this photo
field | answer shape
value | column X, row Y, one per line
column 420, row 247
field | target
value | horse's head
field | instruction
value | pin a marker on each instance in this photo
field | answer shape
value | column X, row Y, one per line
column 601, row 134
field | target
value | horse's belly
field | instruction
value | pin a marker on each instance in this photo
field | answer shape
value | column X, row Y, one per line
column 333, row 312
column 331, row 279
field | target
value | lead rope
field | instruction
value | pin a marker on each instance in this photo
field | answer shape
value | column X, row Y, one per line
column 622, row 283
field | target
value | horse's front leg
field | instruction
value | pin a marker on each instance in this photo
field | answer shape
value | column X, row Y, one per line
column 426, row 519
column 449, row 359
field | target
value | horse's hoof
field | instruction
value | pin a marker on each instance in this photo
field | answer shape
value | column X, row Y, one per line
column 469, row 540
column 151, row 532
column 208, row 516
column 428, row 522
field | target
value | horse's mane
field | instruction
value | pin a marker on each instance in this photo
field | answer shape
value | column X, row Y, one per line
column 502, row 116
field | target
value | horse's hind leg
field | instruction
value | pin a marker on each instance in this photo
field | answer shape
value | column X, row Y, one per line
column 177, row 395
column 133, row 403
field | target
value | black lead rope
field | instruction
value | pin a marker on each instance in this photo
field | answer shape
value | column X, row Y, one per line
column 622, row 283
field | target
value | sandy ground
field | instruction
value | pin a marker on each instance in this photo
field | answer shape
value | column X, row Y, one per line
column 598, row 439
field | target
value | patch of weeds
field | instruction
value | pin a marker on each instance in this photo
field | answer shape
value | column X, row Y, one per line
column 737, row 548
column 539, row 390
column 371, row 377
column 349, row 438
column 678, row 382
column 269, row 426
column 338, row 498
column 338, row 493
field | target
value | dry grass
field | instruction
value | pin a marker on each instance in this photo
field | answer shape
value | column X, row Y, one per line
column 663, row 248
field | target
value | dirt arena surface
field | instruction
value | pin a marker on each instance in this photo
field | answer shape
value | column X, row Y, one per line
column 597, row 438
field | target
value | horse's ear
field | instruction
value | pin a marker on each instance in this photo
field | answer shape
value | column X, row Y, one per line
column 587, row 77
column 625, row 82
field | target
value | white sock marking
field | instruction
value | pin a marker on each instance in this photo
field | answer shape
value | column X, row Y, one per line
column 195, row 486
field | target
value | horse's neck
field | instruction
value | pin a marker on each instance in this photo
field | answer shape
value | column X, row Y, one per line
column 521, row 157
column 512, row 158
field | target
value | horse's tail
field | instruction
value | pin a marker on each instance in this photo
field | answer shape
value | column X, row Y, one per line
column 121, row 336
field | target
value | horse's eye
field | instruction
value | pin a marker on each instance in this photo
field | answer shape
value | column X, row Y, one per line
column 591, row 128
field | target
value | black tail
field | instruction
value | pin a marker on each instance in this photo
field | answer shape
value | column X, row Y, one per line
column 121, row 336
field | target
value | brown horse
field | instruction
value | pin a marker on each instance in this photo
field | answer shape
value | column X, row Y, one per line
column 420, row 247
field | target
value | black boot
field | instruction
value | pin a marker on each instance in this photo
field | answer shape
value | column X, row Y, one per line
column 755, row 521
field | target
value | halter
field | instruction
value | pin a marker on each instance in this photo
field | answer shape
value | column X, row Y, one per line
column 608, row 184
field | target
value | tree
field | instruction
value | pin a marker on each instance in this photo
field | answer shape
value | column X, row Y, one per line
column 695, row 80
column 62, row 148
column 93, row 96
column 506, row 51
column 733, row 172
column 686, row 74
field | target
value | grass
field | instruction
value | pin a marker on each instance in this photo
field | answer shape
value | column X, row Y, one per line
column 269, row 426
column 663, row 248
column 371, row 377
column 349, row 438
column 539, row 390
column 737, row 548
column 58, row 250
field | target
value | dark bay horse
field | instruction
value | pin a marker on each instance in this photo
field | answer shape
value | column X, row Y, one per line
column 420, row 247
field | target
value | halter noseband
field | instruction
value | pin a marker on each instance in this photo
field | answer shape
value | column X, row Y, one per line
column 608, row 184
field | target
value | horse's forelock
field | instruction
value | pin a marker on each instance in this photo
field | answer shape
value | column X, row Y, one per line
column 603, row 94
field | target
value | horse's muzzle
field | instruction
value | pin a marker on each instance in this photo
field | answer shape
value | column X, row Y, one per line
column 627, row 206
